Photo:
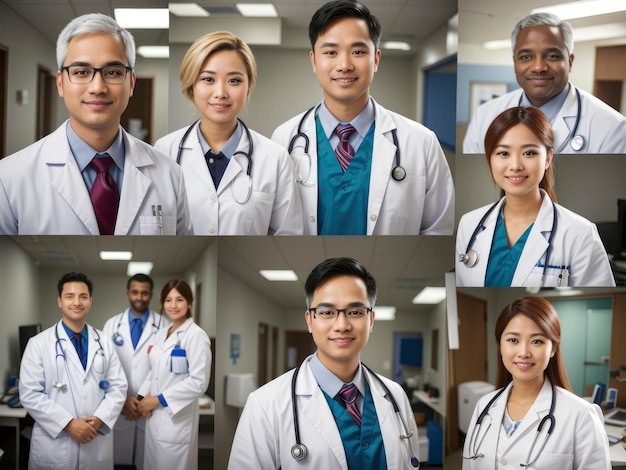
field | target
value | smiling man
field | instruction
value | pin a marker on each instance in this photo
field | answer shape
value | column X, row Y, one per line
column 369, row 171
column 543, row 55
column 345, row 411
column 90, row 177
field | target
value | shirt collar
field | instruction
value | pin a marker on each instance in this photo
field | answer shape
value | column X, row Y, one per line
column 229, row 147
column 70, row 333
column 553, row 106
column 361, row 123
column 143, row 318
column 329, row 382
column 84, row 153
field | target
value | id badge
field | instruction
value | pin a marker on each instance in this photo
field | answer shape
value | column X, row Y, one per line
column 178, row 358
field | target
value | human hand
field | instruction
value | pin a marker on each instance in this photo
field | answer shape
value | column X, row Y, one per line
column 82, row 429
column 130, row 410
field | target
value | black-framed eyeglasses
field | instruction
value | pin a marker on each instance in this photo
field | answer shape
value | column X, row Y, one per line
column 111, row 74
column 331, row 313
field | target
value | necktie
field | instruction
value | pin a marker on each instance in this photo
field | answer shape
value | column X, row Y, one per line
column 217, row 166
column 104, row 195
column 344, row 150
column 349, row 394
column 135, row 331
column 77, row 339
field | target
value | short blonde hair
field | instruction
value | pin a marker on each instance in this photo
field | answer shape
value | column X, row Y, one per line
column 206, row 45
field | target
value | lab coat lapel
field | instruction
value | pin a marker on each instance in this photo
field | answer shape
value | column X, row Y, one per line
column 309, row 189
column 236, row 165
column 482, row 244
column 536, row 244
column 71, row 356
column 146, row 333
column 194, row 159
column 566, row 119
column 93, row 347
column 317, row 412
column 384, row 408
column 135, row 186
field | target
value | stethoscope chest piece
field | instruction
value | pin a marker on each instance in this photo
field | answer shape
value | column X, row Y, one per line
column 577, row 142
column 118, row 339
column 469, row 259
column 398, row 173
column 299, row 452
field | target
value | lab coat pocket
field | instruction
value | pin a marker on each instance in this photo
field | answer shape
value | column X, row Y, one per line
column 263, row 205
column 154, row 225
column 549, row 460
column 175, row 429
column 556, row 276
column 105, row 447
column 405, row 198
column 48, row 452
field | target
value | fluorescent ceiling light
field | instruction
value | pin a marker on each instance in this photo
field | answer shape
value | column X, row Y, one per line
column 116, row 255
column 430, row 295
column 385, row 313
column 581, row 9
column 497, row 44
column 279, row 274
column 397, row 45
column 139, row 267
column 154, row 52
column 143, row 18
column 187, row 9
column 257, row 9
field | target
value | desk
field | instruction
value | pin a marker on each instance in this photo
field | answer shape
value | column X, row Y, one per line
column 616, row 451
column 10, row 417
column 436, row 405
column 206, row 435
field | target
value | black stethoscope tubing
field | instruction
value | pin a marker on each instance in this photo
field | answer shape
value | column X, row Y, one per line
column 398, row 173
column 466, row 258
column 577, row 142
column 299, row 451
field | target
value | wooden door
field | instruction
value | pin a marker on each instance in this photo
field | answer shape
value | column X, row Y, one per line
column 298, row 345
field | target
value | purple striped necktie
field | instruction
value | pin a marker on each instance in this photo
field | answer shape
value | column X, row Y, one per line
column 344, row 150
column 104, row 194
column 349, row 394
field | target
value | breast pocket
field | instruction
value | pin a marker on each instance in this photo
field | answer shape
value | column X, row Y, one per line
column 555, row 276
column 153, row 225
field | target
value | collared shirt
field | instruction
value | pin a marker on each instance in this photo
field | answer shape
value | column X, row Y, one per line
column 83, row 336
column 84, row 153
column 361, row 123
column 143, row 318
column 552, row 108
column 331, row 384
column 229, row 147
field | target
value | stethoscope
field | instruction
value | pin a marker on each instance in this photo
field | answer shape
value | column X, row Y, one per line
column 474, row 446
column 118, row 339
column 60, row 353
column 247, row 154
column 299, row 451
column 398, row 173
column 576, row 141
column 470, row 257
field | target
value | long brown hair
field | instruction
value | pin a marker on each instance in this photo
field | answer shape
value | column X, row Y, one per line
column 183, row 289
column 538, row 124
column 540, row 311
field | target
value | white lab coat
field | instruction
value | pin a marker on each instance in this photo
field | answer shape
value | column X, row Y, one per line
column 421, row 204
column 576, row 244
column 274, row 206
column 42, row 192
column 129, row 436
column 578, row 440
column 172, row 432
column 265, row 433
column 53, row 408
column 602, row 127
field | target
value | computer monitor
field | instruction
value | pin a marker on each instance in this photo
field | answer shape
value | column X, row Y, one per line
column 25, row 333
column 621, row 229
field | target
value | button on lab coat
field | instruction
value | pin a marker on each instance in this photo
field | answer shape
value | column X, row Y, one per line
column 421, row 204
column 42, row 192
column 576, row 244
column 265, row 433
column 578, row 441
column 274, row 206
column 53, row 408
column 602, row 127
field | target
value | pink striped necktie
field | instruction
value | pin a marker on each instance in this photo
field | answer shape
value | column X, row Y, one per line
column 349, row 394
column 344, row 150
column 104, row 195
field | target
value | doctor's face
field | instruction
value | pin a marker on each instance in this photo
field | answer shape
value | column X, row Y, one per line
column 222, row 88
column 340, row 340
column 542, row 64
column 519, row 162
column 177, row 308
column 139, row 296
column 75, row 303
column 95, row 107
column 344, row 60
column 525, row 350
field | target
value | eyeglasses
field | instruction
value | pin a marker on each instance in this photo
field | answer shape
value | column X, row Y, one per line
column 331, row 313
column 112, row 74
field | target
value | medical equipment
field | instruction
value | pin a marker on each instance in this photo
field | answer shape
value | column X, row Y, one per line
column 117, row 337
column 577, row 142
column 60, row 352
column 299, row 451
column 398, row 173
column 470, row 257
column 475, row 449
column 247, row 155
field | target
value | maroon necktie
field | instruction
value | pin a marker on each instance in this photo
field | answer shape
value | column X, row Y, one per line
column 349, row 393
column 344, row 150
column 104, row 194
